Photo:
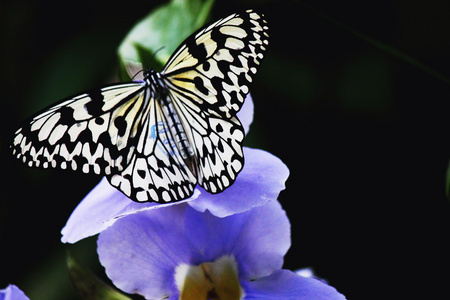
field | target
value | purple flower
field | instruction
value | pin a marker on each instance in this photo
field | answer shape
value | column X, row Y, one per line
column 12, row 292
column 261, row 180
column 183, row 252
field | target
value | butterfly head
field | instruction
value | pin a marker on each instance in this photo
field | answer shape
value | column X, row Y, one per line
column 154, row 80
column 149, row 74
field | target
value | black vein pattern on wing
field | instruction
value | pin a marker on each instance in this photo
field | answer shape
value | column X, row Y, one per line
column 216, row 65
column 217, row 144
column 91, row 132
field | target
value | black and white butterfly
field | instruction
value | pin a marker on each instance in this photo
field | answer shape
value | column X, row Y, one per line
column 156, row 139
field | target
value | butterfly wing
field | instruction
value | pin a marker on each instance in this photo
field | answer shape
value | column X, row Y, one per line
column 91, row 132
column 208, row 77
column 214, row 67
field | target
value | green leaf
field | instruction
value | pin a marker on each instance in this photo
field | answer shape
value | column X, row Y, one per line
column 152, row 40
column 88, row 285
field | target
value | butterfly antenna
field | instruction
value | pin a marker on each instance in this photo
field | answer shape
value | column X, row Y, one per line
column 159, row 49
column 151, row 61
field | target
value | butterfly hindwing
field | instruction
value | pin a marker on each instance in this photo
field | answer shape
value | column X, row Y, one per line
column 157, row 171
column 217, row 145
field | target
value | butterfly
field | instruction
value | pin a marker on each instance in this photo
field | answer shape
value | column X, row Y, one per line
column 155, row 139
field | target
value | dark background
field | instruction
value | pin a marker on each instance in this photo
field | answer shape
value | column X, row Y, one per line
column 364, row 134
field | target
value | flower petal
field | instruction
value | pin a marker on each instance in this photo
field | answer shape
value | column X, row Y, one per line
column 284, row 284
column 141, row 252
column 258, row 238
column 12, row 292
column 103, row 206
column 261, row 180
column 245, row 115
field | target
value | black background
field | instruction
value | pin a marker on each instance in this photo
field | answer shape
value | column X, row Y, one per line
column 363, row 132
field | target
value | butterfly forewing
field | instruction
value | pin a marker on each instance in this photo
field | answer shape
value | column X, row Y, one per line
column 215, row 66
column 92, row 132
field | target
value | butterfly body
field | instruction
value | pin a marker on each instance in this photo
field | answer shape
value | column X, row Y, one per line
column 154, row 81
column 157, row 138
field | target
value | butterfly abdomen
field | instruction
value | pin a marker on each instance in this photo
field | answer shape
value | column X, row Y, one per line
column 177, row 129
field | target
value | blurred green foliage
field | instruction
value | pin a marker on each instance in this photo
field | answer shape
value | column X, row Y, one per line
column 167, row 25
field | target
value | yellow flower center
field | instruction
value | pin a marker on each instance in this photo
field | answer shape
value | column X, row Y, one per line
column 208, row 281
